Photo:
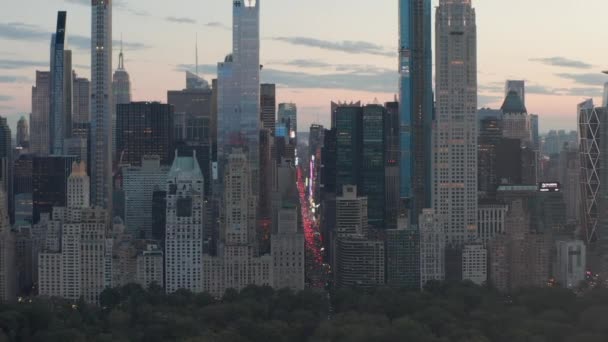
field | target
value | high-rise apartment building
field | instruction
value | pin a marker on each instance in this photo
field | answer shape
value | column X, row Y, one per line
column 81, row 98
column 8, row 262
column 416, row 104
column 432, row 247
column 41, row 108
column 475, row 263
column 287, row 250
column 139, row 184
column 351, row 212
column 184, row 227
column 238, row 99
column 60, row 118
column 23, row 133
column 359, row 262
column 102, row 103
column 268, row 106
column 49, row 180
column 373, row 163
column 403, row 255
column 144, row 128
column 455, row 152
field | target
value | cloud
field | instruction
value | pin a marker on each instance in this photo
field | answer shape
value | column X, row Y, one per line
column 6, row 107
column 21, row 31
column 307, row 63
column 120, row 5
column 347, row 46
column 485, row 100
column 381, row 81
column 563, row 62
column 9, row 64
column 14, row 79
column 5, row 98
column 586, row 79
column 540, row 90
column 181, row 20
column 218, row 25
column 342, row 68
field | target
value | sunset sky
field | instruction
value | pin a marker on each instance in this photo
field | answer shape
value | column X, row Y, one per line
column 318, row 50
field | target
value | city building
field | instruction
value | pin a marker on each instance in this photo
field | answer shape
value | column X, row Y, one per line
column 490, row 138
column 351, row 212
column 139, row 183
column 49, row 183
column 121, row 89
column 81, row 98
column 238, row 95
column 569, row 178
column 23, row 168
column 432, row 247
column 517, row 86
column 571, row 265
column 288, row 115
column 287, row 250
column 359, row 262
column 373, row 163
column 475, row 263
column 60, row 117
column 184, row 226
column 416, row 103
column 268, row 106
column 491, row 222
column 455, row 151
column 6, row 163
column 23, row 133
column 150, row 267
column 39, row 119
column 102, row 104
column 403, row 255
column 515, row 119
column 8, row 262
column 144, row 128
column 349, row 149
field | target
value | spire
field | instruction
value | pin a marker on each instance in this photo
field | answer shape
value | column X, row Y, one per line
column 121, row 62
column 196, row 53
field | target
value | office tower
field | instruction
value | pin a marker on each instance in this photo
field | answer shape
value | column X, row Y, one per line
column 24, row 259
column 159, row 214
column 403, row 255
column 348, row 124
column 60, row 117
column 391, row 160
column 81, row 96
column 491, row 222
column 569, row 178
column 288, row 115
column 102, row 104
column 535, row 127
column 6, row 165
column 121, row 83
column 592, row 129
column 487, row 113
column 190, row 104
column 571, row 263
column 416, row 103
column 238, row 97
column 23, row 189
column 268, row 106
column 144, row 128
column 8, row 272
column 237, row 264
column 517, row 86
column 351, row 212
column 554, row 141
column 432, row 247
column 79, row 187
column 184, row 229
column 23, row 133
column 515, row 120
column 490, row 137
column 194, row 81
column 39, row 119
column 475, row 263
column 139, row 183
column 49, row 182
column 455, row 153
column 373, row 163
column 288, row 251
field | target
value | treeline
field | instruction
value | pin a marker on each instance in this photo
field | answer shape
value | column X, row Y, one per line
column 441, row 313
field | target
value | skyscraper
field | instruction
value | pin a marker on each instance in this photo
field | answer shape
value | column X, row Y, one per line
column 455, row 153
column 416, row 103
column 81, row 98
column 61, row 87
column 519, row 87
column 144, row 128
column 121, row 89
column 39, row 119
column 268, row 105
column 101, row 103
column 515, row 119
column 239, row 88
column 23, row 133
column 288, row 115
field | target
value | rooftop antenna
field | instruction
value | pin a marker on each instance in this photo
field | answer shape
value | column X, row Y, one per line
column 121, row 62
column 196, row 53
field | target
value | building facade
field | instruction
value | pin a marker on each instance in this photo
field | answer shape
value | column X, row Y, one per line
column 432, row 247
column 41, row 108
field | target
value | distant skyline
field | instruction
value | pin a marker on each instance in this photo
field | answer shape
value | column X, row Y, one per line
column 317, row 50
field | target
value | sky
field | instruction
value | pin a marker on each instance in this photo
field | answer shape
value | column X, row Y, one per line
column 317, row 51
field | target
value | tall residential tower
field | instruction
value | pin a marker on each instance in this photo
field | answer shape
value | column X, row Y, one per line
column 101, row 103
column 455, row 150
column 416, row 103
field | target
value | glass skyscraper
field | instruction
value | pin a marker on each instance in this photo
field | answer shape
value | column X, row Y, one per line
column 416, row 104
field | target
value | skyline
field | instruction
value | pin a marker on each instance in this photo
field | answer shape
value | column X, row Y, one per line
column 552, row 58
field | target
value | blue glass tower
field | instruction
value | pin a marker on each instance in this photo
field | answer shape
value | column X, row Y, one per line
column 416, row 104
